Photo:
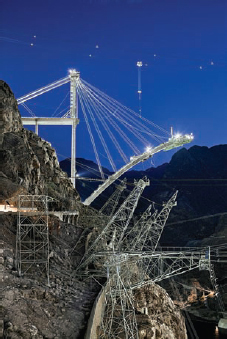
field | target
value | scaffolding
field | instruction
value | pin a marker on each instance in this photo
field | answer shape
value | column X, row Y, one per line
column 32, row 241
column 119, row 316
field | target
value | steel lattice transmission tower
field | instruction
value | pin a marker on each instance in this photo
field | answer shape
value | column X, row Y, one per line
column 32, row 241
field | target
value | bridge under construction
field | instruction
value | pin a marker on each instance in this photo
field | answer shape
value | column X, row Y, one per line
column 124, row 251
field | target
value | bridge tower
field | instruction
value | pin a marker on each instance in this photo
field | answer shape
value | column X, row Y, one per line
column 74, row 75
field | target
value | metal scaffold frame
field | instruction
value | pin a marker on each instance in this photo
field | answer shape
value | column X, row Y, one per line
column 118, row 318
column 32, row 241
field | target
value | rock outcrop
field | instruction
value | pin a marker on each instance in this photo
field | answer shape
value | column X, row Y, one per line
column 10, row 120
column 27, row 161
column 33, row 310
column 159, row 317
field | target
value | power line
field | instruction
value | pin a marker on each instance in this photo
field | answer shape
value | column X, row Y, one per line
column 199, row 218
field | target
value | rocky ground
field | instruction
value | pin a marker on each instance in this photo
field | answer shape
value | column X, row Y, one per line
column 31, row 308
column 163, row 319
column 28, row 164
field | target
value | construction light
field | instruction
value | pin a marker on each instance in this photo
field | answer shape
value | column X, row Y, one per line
column 148, row 149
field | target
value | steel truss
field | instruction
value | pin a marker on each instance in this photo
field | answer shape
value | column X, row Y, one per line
column 126, row 272
column 142, row 268
column 119, row 318
column 145, row 234
column 32, row 241
column 113, row 233
column 127, row 255
column 101, row 217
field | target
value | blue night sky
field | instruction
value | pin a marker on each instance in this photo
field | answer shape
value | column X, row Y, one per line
column 183, row 85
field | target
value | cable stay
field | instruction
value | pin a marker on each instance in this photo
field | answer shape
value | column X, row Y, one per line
column 109, row 124
column 121, row 112
column 105, row 113
column 54, row 114
column 43, row 90
column 28, row 110
column 92, row 139
column 101, row 109
column 86, row 103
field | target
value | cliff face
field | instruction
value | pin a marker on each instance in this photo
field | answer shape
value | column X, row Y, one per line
column 27, row 162
column 159, row 317
column 199, row 174
column 10, row 120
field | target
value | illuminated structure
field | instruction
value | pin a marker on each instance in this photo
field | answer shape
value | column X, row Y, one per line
column 173, row 142
column 139, row 64
column 99, row 108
